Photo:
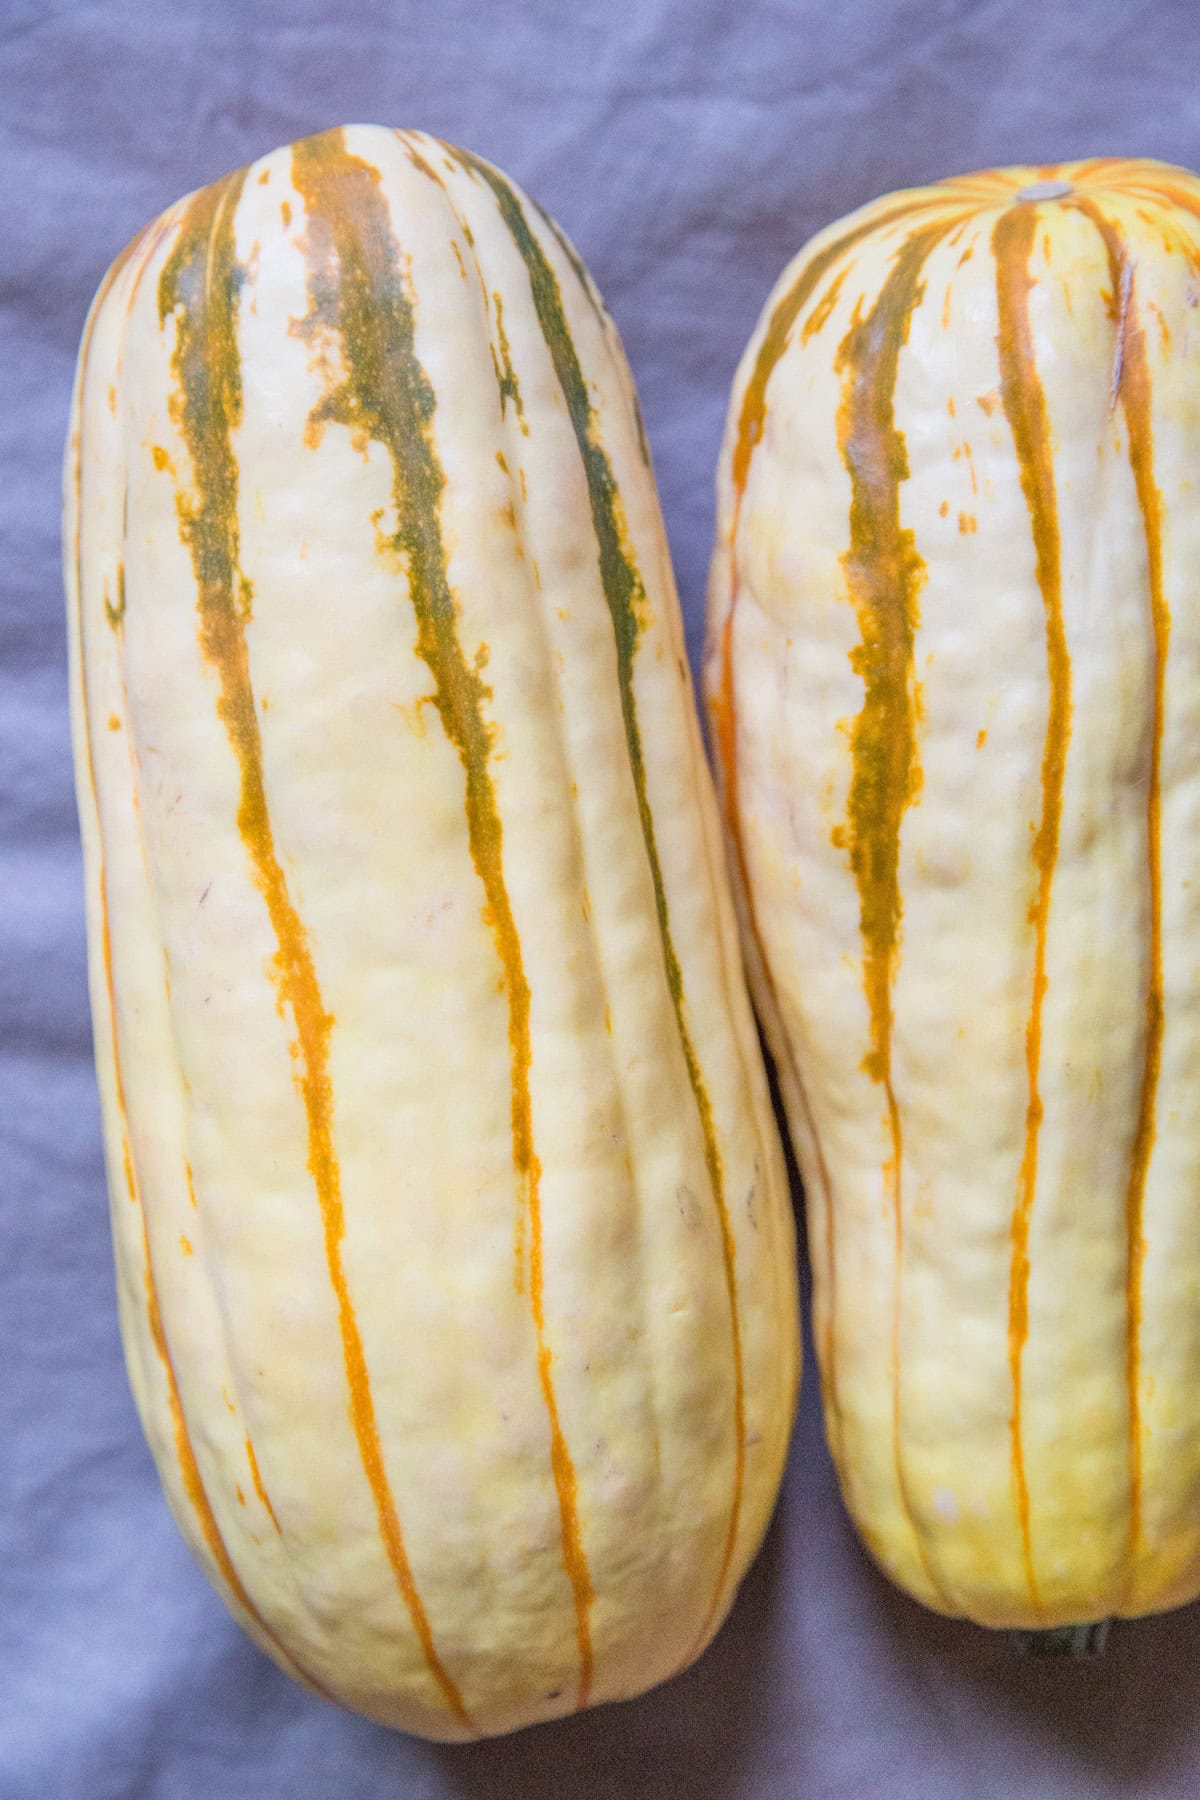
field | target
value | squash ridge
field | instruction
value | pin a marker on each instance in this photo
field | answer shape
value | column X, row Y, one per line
column 1134, row 392
column 623, row 591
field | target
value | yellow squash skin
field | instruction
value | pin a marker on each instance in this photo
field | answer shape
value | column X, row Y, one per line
column 953, row 673
column 453, row 1239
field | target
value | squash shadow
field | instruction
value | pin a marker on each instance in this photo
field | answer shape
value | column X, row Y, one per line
column 1127, row 1721
column 686, row 1737
column 689, row 1736
column 1124, row 1722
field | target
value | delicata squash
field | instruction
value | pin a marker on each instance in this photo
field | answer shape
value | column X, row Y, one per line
column 453, row 1239
column 953, row 671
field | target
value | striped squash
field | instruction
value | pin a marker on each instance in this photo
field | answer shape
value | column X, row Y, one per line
column 953, row 669
column 453, row 1240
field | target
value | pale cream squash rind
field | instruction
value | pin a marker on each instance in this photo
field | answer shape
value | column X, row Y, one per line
column 310, row 1036
column 968, row 428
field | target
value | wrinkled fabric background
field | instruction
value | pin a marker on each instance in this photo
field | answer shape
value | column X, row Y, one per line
column 688, row 147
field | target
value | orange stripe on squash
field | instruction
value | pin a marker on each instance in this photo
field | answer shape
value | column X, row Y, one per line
column 1025, row 408
column 723, row 709
column 198, row 287
column 884, row 574
column 192, row 1481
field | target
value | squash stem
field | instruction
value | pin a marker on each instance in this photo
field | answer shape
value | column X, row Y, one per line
column 1076, row 1642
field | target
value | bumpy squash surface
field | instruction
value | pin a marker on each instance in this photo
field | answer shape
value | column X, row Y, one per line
column 954, row 678
column 453, row 1240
